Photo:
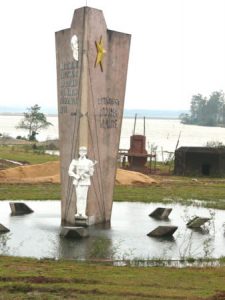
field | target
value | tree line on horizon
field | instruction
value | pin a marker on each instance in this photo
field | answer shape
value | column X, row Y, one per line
column 206, row 111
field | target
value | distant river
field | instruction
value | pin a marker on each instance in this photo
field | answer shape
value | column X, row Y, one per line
column 162, row 133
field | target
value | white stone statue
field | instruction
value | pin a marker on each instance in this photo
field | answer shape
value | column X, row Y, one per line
column 81, row 170
column 75, row 47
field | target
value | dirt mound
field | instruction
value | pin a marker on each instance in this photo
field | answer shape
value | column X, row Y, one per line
column 49, row 172
column 124, row 177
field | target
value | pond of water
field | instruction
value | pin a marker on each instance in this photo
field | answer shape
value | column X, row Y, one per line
column 37, row 234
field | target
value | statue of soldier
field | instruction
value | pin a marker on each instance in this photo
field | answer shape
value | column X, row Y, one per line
column 81, row 170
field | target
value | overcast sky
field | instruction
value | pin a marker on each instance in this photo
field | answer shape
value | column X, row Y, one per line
column 177, row 49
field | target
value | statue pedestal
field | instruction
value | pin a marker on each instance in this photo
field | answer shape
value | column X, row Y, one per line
column 83, row 221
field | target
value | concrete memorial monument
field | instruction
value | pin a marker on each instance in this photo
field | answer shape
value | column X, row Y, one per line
column 91, row 77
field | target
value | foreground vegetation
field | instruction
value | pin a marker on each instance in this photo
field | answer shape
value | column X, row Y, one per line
column 22, row 278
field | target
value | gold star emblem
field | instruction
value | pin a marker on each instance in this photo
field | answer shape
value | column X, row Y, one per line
column 100, row 53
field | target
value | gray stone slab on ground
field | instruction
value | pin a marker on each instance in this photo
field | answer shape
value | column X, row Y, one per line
column 74, row 232
column 163, row 231
column 3, row 229
column 197, row 222
column 19, row 208
column 161, row 213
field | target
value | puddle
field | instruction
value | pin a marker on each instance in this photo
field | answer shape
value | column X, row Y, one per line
column 37, row 234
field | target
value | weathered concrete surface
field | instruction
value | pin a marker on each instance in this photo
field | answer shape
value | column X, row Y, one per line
column 74, row 232
column 3, row 229
column 161, row 213
column 90, row 105
column 19, row 208
column 197, row 222
column 163, row 231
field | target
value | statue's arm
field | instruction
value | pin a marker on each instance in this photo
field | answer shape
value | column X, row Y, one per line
column 72, row 168
column 91, row 170
column 91, row 167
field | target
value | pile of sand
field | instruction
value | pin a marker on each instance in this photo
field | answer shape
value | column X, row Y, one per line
column 49, row 172
column 125, row 177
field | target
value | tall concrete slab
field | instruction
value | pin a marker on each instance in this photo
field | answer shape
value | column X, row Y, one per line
column 91, row 91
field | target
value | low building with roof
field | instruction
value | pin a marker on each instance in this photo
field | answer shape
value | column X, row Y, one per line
column 200, row 161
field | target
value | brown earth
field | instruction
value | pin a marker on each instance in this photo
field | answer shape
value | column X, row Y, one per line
column 49, row 172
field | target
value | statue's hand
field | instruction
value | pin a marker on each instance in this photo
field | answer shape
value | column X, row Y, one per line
column 76, row 176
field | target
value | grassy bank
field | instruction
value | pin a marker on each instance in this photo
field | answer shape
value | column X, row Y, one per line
column 212, row 192
column 22, row 278
column 43, row 191
column 182, row 190
column 25, row 153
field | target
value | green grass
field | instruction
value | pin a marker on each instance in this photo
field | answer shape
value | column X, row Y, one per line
column 183, row 190
column 43, row 191
column 25, row 153
column 22, row 278
column 213, row 193
column 174, row 192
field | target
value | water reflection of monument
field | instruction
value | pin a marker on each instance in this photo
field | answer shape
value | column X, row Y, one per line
column 97, row 246
column 91, row 76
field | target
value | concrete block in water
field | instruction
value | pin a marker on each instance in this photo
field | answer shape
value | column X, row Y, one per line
column 160, row 213
column 163, row 231
column 74, row 232
column 3, row 229
column 19, row 208
column 197, row 222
